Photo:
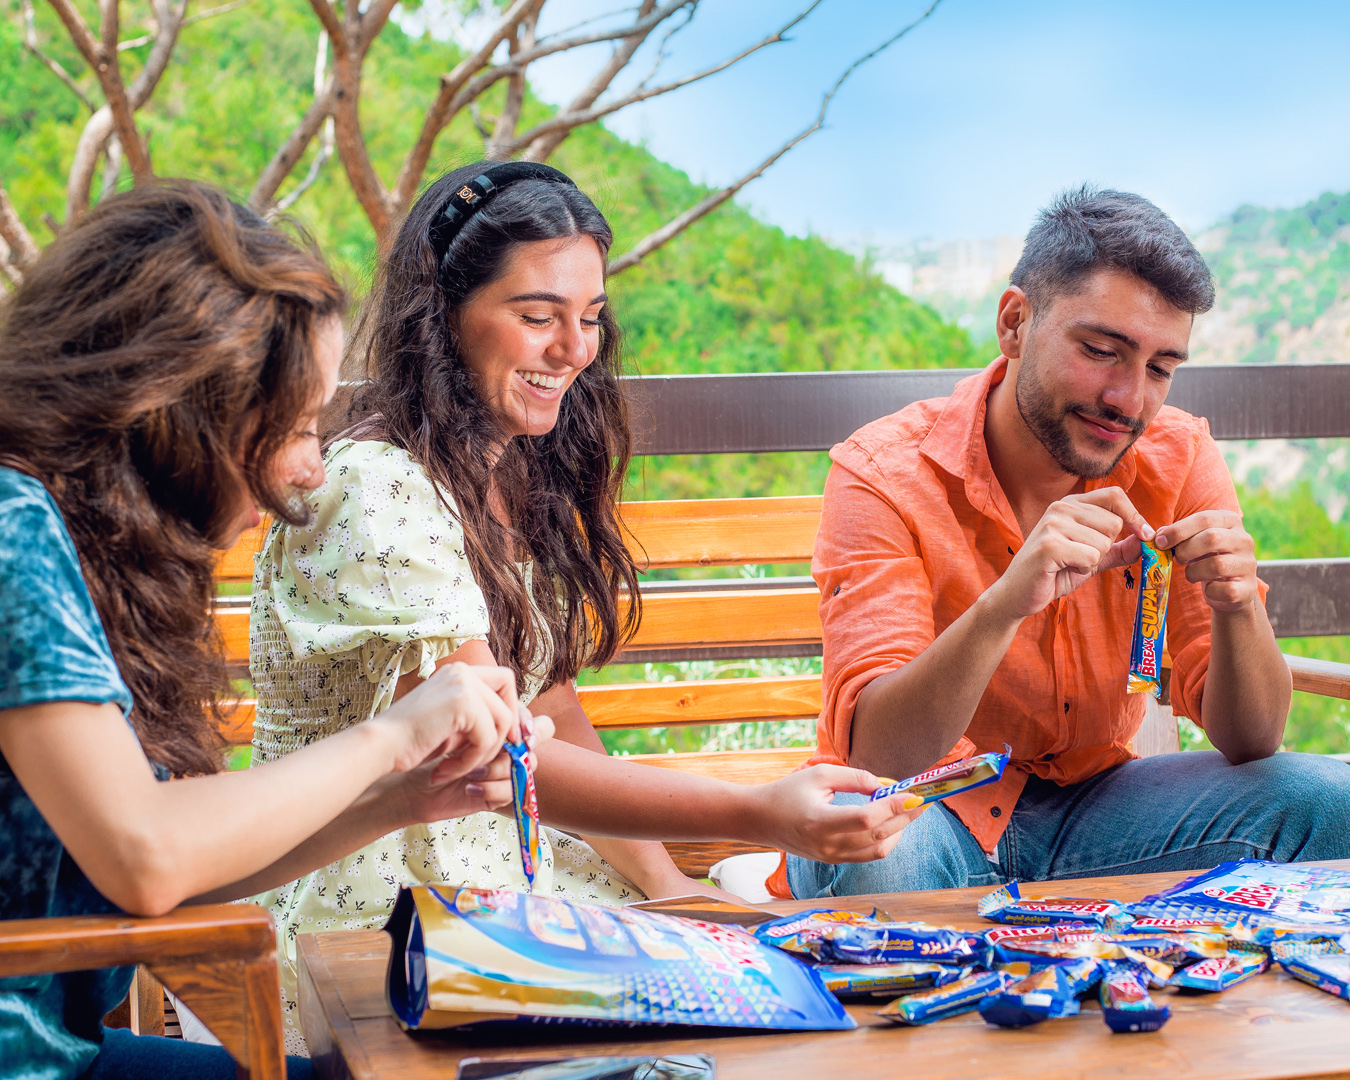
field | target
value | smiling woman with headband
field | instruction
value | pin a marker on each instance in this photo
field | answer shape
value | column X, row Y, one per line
column 473, row 515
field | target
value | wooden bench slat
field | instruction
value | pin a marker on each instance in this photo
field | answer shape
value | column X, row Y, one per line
column 722, row 532
column 712, row 701
column 1320, row 676
column 734, row 766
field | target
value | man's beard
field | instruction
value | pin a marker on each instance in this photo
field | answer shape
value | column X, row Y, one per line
column 1050, row 425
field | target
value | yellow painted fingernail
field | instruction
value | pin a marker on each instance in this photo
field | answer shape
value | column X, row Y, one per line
column 911, row 802
column 886, row 781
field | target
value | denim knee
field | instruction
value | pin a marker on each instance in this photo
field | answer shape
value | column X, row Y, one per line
column 1307, row 796
column 934, row 852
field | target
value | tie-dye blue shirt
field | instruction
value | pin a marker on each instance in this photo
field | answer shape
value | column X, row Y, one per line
column 52, row 648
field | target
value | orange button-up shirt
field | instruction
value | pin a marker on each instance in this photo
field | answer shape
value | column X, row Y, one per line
column 916, row 526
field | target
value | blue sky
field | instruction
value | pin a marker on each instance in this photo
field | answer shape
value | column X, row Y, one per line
column 969, row 124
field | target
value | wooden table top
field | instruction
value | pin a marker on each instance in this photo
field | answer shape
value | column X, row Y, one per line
column 1269, row 1027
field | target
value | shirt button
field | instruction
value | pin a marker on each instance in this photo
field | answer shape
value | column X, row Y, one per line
column 1049, row 757
column 995, row 811
column 836, row 591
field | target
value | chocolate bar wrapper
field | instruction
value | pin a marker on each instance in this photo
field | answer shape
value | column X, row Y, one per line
column 1047, row 994
column 846, row 937
column 1249, row 894
column 1221, row 973
column 1147, row 926
column 1150, row 622
column 1035, row 955
column 938, row 783
column 1126, row 1004
column 868, row 980
column 927, row 1006
column 526, row 808
column 1006, row 904
column 1330, row 972
column 465, row 957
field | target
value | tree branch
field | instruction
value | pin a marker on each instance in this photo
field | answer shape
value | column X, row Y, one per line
column 505, row 130
column 102, row 57
column 209, row 13
column 325, row 150
column 667, row 232
column 290, row 152
column 30, row 43
column 23, row 251
column 546, row 137
column 329, row 21
column 112, row 167
column 440, row 113
column 542, row 144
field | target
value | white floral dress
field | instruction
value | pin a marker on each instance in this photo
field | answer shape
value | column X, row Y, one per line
column 378, row 585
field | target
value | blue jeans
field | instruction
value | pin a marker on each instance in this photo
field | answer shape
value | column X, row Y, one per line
column 1186, row 811
column 125, row 1056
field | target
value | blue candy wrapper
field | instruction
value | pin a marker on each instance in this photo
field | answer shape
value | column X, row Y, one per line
column 962, row 996
column 938, row 783
column 1006, row 904
column 1047, row 994
column 846, row 937
column 474, row 956
column 1221, row 972
column 526, row 807
column 1126, row 1004
column 870, row 980
column 1330, row 972
column 1252, row 893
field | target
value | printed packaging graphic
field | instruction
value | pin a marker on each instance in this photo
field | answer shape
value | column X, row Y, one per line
column 526, row 807
column 867, row 980
column 1047, row 994
column 1252, row 893
column 471, row 956
column 962, row 996
column 1126, row 1004
column 1150, row 622
column 1330, row 973
column 938, row 783
column 846, row 937
column 1221, row 972
column 1006, row 904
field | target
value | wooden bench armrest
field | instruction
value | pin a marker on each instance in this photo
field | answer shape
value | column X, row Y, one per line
column 1323, row 677
column 219, row 958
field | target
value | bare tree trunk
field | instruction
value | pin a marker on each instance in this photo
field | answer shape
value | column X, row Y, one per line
column 112, row 167
column 325, row 150
column 30, row 43
column 103, row 123
column 101, row 55
column 542, row 146
column 505, row 131
column 22, row 250
column 447, row 102
column 290, row 152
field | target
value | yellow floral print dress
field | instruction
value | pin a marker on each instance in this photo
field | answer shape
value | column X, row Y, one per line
column 378, row 585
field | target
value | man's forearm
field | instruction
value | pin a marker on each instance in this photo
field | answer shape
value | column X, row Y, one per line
column 906, row 720
column 1247, row 688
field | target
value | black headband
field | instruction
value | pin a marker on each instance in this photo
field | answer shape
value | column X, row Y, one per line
column 466, row 201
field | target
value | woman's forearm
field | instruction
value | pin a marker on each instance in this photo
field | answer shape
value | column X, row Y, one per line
column 589, row 793
column 148, row 846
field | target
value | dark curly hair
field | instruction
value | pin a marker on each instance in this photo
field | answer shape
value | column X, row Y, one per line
column 559, row 491
column 156, row 359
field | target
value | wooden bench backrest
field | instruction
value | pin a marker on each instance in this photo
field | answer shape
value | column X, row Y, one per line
column 730, row 618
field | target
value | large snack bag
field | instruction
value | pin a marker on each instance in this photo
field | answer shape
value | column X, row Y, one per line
column 1252, row 893
column 468, row 956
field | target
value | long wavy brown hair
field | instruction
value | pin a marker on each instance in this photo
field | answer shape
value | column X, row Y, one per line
column 155, row 360
column 557, row 493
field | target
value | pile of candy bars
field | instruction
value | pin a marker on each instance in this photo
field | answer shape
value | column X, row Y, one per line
column 1204, row 935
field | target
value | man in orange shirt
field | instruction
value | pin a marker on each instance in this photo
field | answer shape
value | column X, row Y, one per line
column 978, row 564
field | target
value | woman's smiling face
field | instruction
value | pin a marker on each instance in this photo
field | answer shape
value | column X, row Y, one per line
column 526, row 336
